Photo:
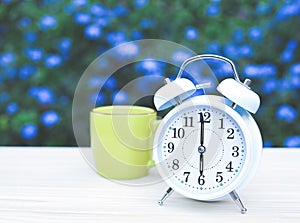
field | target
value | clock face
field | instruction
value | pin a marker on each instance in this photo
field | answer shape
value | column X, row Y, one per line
column 201, row 150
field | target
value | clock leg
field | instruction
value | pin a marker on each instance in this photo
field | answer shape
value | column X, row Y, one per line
column 235, row 197
column 166, row 195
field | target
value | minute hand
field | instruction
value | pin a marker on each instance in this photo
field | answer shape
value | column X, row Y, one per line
column 202, row 130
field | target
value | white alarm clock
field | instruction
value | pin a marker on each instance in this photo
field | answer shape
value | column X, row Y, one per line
column 208, row 146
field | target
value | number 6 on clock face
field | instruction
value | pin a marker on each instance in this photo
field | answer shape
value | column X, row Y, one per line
column 201, row 148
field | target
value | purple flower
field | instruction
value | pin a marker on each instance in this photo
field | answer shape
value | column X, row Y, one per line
column 29, row 131
column 286, row 113
column 53, row 61
column 292, row 141
column 47, row 22
column 50, row 118
column 92, row 32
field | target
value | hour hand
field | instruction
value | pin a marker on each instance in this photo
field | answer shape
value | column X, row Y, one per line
column 202, row 130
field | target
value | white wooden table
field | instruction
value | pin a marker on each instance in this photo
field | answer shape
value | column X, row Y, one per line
column 57, row 185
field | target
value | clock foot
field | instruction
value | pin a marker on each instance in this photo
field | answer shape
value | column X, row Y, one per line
column 235, row 197
column 166, row 195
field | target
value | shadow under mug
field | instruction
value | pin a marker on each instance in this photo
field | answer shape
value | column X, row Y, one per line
column 121, row 140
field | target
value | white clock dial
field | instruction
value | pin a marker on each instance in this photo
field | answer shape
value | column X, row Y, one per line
column 202, row 150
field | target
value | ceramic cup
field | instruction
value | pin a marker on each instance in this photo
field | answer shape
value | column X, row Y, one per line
column 121, row 140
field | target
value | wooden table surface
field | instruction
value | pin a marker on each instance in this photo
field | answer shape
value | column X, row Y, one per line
column 57, row 185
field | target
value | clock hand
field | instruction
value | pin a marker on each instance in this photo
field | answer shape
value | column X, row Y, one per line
column 201, row 148
column 201, row 164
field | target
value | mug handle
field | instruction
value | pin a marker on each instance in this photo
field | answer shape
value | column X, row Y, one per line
column 153, row 126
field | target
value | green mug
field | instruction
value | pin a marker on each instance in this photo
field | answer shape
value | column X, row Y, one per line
column 121, row 140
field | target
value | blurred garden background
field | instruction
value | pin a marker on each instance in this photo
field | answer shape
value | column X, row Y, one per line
column 46, row 45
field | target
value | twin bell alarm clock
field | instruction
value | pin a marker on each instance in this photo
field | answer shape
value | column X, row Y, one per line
column 207, row 147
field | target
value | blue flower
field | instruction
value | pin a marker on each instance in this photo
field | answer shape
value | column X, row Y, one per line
column 140, row 3
column 30, row 37
column 79, row 3
column 267, row 144
column 12, row 108
column 10, row 72
column 147, row 23
column 263, row 8
column 214, row 47
column 286, row 56
column 292, row 141
column 295, row 69
column 255, row 33
column 149, row 67
column 82, row 18
column 50, row 118
column 53, row 61
column 98, row 99
column 26, row 71
column 43, row 95
column 231, row 51
column 212, row 10
column 6, row 2
column 238, row 35
column 47, row 22
column 7, row 59
column 24, row 22
column 180, row 55
column 120, row 10
column 270, row 85
column 98, row 10
column 34, row 54
column 116, row 38
column 65, row 44
column 29, row 131
column 288, row 10
column 136, row 34
column 119, row 97
column 191, row 33
column 128, row 50
column 4, row 96
column 92, row 32
column 246, row 51
column 262, row 70
column 286, row 113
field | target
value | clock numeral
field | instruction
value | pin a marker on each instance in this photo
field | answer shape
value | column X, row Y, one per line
column 188, row 121
column 221, row 123
column 201, row 180
column 235, row 151
column 231, row 133
column 175, row 165
column 178, row 133
column 186, row 174
column 170, row 147
column 219, row 177
column 205, row 115
column 229, row 167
